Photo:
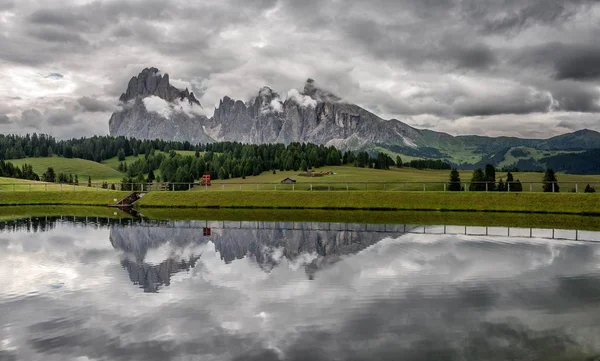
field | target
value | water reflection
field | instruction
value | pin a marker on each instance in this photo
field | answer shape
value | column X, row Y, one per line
column 175, row 291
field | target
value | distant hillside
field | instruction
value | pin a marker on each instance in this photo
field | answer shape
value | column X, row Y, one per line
column 83, row 168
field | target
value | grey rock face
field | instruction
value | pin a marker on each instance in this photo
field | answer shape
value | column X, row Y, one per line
column 315, row 116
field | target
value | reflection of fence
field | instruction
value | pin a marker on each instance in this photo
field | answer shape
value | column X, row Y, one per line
column 386, row 230
column 562, row 187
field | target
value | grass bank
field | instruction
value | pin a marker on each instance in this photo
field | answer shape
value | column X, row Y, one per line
column 564, row 203
column 104, row 198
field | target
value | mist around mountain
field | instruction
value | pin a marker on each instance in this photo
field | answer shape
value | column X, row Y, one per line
column 152, row 108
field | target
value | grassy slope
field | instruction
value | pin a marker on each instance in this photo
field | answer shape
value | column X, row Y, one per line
column 83, row 168
column 354, row 176
column 23, row 185
column 100, row 198
column 536, row 154
column 564, row 203
column 114, row 161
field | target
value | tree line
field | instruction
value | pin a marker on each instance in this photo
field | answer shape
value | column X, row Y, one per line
column 485, row 181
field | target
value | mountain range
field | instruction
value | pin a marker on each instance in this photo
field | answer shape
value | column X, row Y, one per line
column 152, row 108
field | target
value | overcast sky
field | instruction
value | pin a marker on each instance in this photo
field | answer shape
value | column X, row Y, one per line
column 495, row 67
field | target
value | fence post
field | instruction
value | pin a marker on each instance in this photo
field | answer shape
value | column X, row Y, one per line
column 531, row 187
column 311, row 187
column 486, row 186
column 329, row 187
column 444, row 187
column 384, row 187
column 508, row 186
column 222, row 187
column 552, row 187
column 172, row 187
column 423, row 187
column 347, row 189
column 240, row 186
column 293, row 187
column 576, row 187
column 275, row 186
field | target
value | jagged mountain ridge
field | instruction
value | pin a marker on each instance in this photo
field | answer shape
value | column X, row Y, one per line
column 313, row 115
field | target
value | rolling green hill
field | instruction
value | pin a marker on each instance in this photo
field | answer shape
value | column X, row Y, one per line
column 83, row 168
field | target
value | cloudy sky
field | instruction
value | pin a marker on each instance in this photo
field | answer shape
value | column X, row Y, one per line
column 495, row 67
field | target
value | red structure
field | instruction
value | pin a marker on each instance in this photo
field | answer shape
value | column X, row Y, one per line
column 206, row 180
column 206, row 232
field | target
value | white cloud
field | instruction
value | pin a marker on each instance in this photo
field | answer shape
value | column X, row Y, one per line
column 300, row 99
column 158, row 105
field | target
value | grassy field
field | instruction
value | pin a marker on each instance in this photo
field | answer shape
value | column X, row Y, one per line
column 22, row 185
column 561, row 203
column 83, row 168
column 355, row 178
column 559, row 221
column 104, row 198
column 114, row 161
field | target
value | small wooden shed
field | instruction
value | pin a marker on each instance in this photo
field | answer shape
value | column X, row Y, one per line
column 288, row 181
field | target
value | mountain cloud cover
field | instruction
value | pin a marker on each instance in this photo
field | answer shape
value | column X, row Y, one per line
column 453, row 65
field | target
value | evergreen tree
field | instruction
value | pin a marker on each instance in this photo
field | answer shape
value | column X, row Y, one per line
column 490, row 177
column 550, row 181
column 501, row 187
column 399, row 162
column 454, row 185
column 49, row 175
column 121, row 155
column 478, row 181
column 222, row 174
column 589, row 189
column 151, row 176
column 304, row 166
column 89, row 181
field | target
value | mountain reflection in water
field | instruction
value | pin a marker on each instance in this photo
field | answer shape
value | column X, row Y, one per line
column 178, row 291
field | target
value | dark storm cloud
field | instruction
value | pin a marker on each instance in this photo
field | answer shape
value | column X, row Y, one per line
column 90, row 104
column 32, row 118
column 569, row 61
column 59, row 117
column 4, row 119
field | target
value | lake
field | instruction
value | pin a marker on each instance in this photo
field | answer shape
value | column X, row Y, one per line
column 199, row 290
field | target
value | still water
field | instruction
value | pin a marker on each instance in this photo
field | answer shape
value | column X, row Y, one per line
column 258, row 291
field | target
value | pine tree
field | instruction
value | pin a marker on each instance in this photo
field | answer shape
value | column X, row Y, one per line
column 500, row 187
column 589, row 189
column 478, row 181
column 550, row 181
column 121, row 155
column 490, row 177
column 89, row 181
column 399, row 162
column 49, row 175
column 454, row 185
column 151, row 176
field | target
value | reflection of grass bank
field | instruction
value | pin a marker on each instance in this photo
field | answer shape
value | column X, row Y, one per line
column 20, row 212
column 382, row 217
column 371, row 217
column 565, row 203
column 99, row 198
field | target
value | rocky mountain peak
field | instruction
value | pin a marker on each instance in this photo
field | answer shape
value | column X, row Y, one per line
column 150, row 82
column 312, row 90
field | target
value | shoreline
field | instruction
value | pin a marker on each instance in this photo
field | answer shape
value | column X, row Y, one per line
column 518, row 203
